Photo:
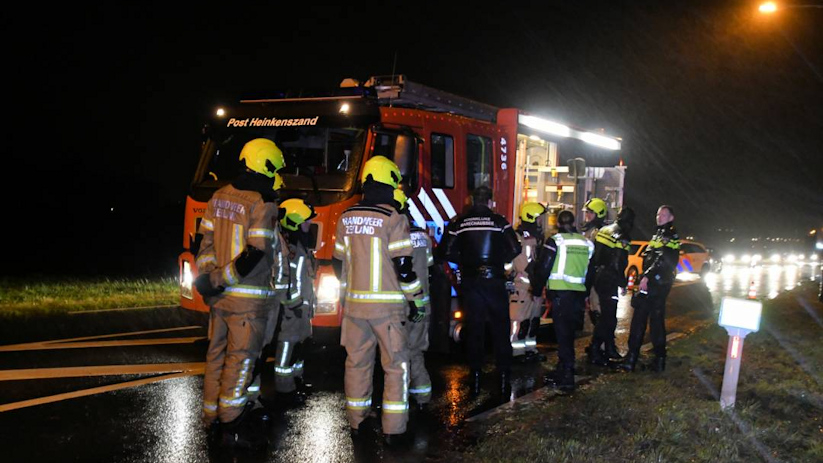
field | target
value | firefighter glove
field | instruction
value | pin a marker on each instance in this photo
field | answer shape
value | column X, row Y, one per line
column 205, row 288
column 247, row 260
column 417, row 311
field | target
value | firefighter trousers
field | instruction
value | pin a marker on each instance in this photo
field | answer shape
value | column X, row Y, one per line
column 607, row 322
column 420, row 385
column 486, row 301
column 649, row 309
column 272, row 312
column 524, row 313
column 295, row 327
column 361, row 337
column 236, row 340
column 567, row 318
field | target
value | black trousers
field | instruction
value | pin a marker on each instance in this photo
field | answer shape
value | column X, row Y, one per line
column 567, row 317
column 487, row 301
column 649, row 309
column 606, row 324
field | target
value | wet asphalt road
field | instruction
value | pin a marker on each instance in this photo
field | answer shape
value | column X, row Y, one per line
column 112, row 396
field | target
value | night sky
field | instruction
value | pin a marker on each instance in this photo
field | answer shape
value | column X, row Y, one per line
column 720, row 109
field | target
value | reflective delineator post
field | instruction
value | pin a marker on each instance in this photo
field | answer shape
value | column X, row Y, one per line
column 630, row 286
column 740, row 317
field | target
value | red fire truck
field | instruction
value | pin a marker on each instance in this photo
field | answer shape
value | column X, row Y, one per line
column 444, row 144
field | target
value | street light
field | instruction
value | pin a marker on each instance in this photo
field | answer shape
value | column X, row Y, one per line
column 768, row 7
column 771, row 8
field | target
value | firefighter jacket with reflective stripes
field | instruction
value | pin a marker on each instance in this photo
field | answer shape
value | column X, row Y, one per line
column 480, row 242
column 521, row 263
column 422, row 259
column 301, row 281
column 367, row 238
column 611, row 256
column 235, row 218
column 280, row 271
column 661, row 255
column 567, row 256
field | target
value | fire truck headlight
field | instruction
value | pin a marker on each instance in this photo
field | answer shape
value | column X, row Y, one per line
column 328, row 293
column 186, row 280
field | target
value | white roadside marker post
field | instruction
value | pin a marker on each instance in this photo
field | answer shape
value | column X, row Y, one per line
column 740, row 317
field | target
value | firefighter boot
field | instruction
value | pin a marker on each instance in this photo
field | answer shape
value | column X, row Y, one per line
column 629, row 362
column 658, row 364
column 474, row 381
column 244, row 433
column 597, row 357
column 565, row 381
column 612, row 353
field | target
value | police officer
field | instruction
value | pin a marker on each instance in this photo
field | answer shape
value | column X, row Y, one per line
column 606, row 275
column 234, row 263
column 372, row 253
column 420, row 385
column 298, row 308
column 564, row 261
column 481, row 242
column 524, row 307
column 594, row 215
column 660, row 265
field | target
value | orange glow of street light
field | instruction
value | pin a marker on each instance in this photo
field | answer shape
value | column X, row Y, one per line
column 768, row 8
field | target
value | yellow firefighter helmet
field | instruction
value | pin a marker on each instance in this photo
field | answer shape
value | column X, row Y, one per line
column 596, row 205
column 262, row 156
column 529, row 212
column 278, row 182
column 383, row 170
column 294, row 212
column 400, row 198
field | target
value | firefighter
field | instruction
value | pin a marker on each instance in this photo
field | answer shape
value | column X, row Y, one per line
column 660, row 265
column 481, row 243
column 606, row 274
column 373, row 250
column 594, row 215
column 420, row 385
column 564, row 261
column 279, row 285
column 524, row 307
column 234, row 264
column 298, row 309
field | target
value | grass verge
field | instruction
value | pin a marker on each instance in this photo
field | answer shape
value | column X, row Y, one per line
column 675, row 416
column 61, row 295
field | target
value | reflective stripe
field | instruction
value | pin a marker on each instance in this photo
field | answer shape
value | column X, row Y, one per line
column 358, row 403
column 400, row 245
column 205, row 259
column 339, row 247
column 233, row 402
column 285, row 357
column 395, row 407
column 375, row 264
column 405, row 368
column 410, row 287
column 254, row 388
column 555, row 276
column 426, row 389
column 253, row 292
column 524, row 280
column 229, row 275
column 298, row 365
column 237, row 241
column 207, row 224
column 210, row 406
column 518, row 345
column 559, row 272
column 531, row 342
column 478, row 229
column 444, row 201
column 367, row 296
column 300, row 275
column 284, row 371
column 261, row 233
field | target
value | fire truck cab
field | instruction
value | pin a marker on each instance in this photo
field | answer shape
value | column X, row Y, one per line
column 445, row 146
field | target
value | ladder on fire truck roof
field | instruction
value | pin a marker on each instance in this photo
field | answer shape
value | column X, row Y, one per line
column 399, row 91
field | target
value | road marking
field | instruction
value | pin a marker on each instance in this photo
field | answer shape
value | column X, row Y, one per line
column 81, row 312
column 85, row 345
column 88, row 392
column 102, row 370
column 15, row 347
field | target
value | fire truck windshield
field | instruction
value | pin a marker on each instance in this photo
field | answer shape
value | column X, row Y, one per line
column 317, row 158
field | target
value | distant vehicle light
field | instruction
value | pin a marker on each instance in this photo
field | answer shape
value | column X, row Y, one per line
column 344, row 108
column 746, row 258
column 757, row 258
column 221, row 112
column 801, row 257
column 818, row 246
column 814, row 257
column 775, row 258
column 792, row 258
column 729, row 258
column 458, row 315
